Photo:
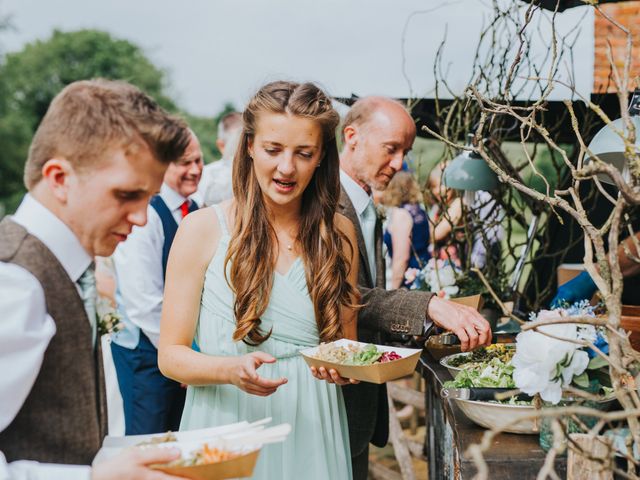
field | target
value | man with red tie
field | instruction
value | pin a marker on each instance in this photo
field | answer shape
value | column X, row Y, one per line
column 152, row 403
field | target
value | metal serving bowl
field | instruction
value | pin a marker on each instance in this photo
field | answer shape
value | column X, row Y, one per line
column 491, row 415
column 444, row 361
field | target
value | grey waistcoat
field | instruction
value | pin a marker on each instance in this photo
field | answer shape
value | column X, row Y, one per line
column 63, row 419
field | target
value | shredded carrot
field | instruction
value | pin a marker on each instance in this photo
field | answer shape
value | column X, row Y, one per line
column 214, row 455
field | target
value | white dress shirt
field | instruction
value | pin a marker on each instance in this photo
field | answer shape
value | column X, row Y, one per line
column 139, row 277
column 356, row 194
column 364, row 207
column 215, row 185
column 27, row 328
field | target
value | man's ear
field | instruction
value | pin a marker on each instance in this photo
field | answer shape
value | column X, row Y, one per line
column 220, row 144
column 56, row 174
column 350, row 136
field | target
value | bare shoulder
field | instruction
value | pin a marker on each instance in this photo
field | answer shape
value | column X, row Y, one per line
column 198, row 235
column 203, row 221
column 401, row 218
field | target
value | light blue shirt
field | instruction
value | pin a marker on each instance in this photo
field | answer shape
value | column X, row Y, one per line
column 363, row 205
column 139, row 277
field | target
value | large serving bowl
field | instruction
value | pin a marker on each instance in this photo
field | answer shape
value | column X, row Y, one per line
column 492, row 415
column 453, row 370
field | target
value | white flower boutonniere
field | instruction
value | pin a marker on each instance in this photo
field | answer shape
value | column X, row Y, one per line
column 109, row 320
column 381, row 213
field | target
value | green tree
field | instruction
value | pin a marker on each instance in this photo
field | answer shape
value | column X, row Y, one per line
column 205, row 129
column 29, row 80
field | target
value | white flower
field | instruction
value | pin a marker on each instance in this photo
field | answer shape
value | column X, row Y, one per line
column 450, row 291
column 411, row 274
column 578, row 365
column 108, row 319
column 440, row 276
column 544, row 364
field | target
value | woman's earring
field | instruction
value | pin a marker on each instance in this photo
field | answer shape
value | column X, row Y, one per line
column 318, row 165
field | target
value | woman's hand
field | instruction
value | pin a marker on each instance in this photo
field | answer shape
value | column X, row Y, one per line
column 332, row 376
column 243, row 374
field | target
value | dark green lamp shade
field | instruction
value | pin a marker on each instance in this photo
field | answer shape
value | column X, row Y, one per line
column 469, row 172
column 608, row 146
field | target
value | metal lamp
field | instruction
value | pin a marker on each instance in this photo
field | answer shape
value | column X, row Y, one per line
column 468, row 171
column 608, row 145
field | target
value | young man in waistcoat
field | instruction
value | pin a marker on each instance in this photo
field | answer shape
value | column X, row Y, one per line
column 97, row 157
column 152, row 403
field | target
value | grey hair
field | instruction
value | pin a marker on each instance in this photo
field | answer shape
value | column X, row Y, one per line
column 229, row 124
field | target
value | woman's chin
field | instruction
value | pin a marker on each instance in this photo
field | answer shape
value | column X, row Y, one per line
column 281, row 199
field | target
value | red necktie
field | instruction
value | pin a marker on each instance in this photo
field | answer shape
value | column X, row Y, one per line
column 184, row 208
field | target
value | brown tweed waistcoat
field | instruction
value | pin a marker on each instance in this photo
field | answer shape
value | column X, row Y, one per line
column 63, row 419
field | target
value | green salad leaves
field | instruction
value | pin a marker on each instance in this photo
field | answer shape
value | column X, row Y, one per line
column 492, row 374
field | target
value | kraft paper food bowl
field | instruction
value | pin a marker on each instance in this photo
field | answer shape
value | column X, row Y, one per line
column 376, row 373
column 238, row 467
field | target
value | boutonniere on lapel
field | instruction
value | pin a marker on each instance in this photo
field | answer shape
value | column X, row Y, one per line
column 109, row 320
column 381, row 212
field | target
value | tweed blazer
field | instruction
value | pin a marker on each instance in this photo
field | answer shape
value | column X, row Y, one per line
column 385, row 311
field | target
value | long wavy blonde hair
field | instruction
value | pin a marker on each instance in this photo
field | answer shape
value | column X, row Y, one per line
column 254, row 240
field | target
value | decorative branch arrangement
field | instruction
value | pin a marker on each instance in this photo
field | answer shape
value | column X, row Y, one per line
column 490, row 111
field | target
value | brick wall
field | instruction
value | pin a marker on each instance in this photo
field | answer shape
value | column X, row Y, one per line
column 626, row 13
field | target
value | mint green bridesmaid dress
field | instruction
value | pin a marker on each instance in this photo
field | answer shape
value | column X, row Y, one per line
column 318, row 445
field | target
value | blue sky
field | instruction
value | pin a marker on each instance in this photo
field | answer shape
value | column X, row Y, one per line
column 222, row 50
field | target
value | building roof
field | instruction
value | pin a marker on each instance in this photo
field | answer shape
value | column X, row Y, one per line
column 563, row 5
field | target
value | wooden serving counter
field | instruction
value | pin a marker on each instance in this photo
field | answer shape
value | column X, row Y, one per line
column 449, row 433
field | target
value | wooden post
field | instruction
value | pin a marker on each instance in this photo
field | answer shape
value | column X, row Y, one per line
column 400, row 448
column 413, row 420
column 582, row 463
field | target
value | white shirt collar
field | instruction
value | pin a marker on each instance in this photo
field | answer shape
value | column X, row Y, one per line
column 356, row 193
column 40, row 222
column 172, row 198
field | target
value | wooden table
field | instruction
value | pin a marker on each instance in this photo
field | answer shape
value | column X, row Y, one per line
column 449, row 434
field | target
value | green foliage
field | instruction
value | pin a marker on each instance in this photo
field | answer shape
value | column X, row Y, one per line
column 29, row 80
column 425, row 154
column 36, row 74
column 549, row 166
column 206, row 130
column 597, row 362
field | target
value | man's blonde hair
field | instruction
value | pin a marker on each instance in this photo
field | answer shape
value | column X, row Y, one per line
column 89, row 117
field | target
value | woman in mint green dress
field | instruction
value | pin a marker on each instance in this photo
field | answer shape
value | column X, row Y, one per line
column 258, row 278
